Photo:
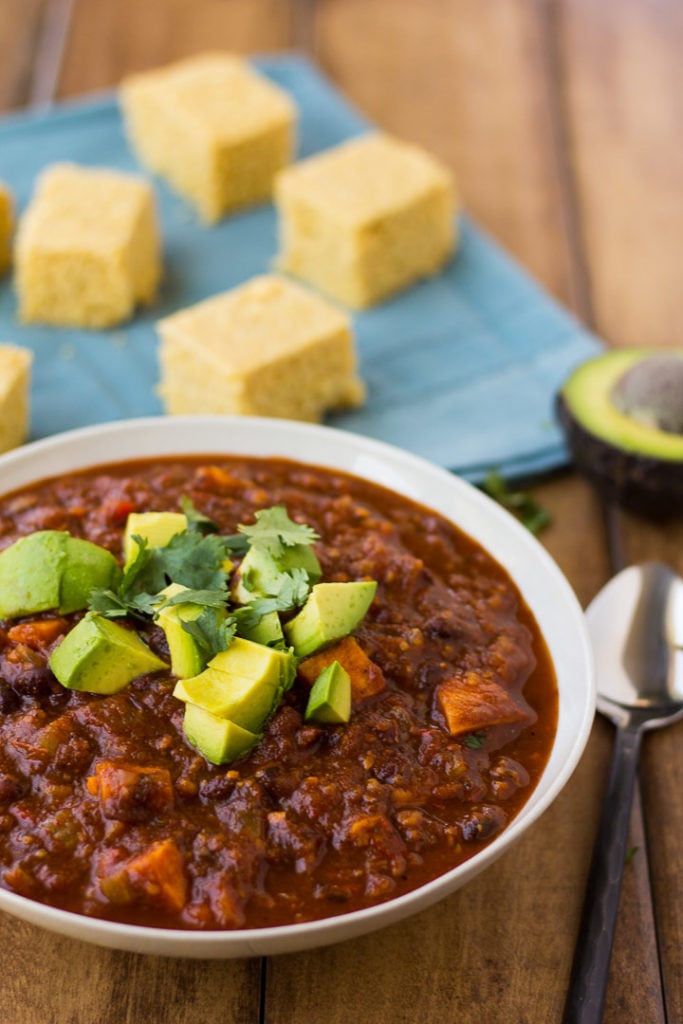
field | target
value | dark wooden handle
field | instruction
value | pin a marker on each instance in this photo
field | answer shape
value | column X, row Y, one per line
column 590, row 969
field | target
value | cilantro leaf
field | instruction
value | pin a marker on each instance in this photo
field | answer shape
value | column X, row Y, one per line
column 197, row 559
column 190, row 558
column 520, row 503
column 134, row 593
column 199, row 523
column 249, row 615
column 292, row 593
column 212, row 633
column 290, row 590
column 475, row 740
column 293, row 588
column 193, row 560
column 274, row 530
column 107, row 603
column 113, row 605
column 196, row 520
column 207, row 598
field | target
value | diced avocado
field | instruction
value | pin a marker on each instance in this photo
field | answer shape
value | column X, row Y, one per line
column 246, row 702
column 87, row 567
column 268, row 631
column 255, row 661
column 187, row 658
column 156, row 528
column 31, row 572
column 330, row 696
column 259, row 571
column 51, row 569
column 218, row 739
column 99, row 656
column 332, row 611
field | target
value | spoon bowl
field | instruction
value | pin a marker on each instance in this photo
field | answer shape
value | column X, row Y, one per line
column 636, row 629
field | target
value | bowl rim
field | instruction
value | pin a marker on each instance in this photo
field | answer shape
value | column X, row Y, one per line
column 469, row 509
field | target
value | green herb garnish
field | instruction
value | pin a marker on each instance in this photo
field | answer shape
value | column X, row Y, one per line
column 197, row 522
column 274, row 531
column 293, row 589
column 196, row 560
column 211, row 632
column 475, row 740
column 192, row 559
column 520, row 503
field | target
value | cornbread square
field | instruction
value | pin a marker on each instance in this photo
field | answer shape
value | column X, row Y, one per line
column 266, row 348
column 6, row 226
column 214, row 128
column 88, row 248
column 15, row 373
column 365, row 219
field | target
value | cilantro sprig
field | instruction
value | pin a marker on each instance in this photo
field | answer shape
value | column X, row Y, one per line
column 198, row 559
column 521, row 503
column 212, row 633
column 274, row 531
column 475, row 740
column 191, row 559
column 292, row 590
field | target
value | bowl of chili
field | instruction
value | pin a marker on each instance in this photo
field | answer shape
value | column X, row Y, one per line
column 472, row 700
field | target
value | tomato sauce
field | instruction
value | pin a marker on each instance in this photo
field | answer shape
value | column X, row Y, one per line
column 105, row 808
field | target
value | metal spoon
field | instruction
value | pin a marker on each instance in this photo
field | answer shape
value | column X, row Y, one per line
column 636, row 628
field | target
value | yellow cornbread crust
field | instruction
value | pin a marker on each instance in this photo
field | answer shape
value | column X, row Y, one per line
column 15, row 373
column 6, row 227
column 266, row 348
column 88, row 248
column 213, row 127
column 365, row 219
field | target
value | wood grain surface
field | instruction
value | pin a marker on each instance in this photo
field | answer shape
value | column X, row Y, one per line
column 561, row 120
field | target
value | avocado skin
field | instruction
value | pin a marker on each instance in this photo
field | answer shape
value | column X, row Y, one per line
column 649, row 486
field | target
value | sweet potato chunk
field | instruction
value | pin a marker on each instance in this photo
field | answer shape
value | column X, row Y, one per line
column 473, row 703
column 39, row 634
column 156, row 876
column 367, row 679
column 131, row 792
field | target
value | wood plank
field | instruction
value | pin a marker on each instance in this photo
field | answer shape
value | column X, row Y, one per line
column 575, row 536
column 623, row 78
column 53, row 980
column 621, row 88
column 115, row 37
column 662, row 770
column 432, row 72
column 574, row 540
column 21, row 22
column 623, row 81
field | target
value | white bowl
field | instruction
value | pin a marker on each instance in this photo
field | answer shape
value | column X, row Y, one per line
column 544, row 588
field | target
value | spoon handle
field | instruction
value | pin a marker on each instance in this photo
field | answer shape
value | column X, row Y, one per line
column 590, row 969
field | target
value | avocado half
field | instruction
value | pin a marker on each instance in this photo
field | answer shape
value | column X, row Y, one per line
column 622, row 416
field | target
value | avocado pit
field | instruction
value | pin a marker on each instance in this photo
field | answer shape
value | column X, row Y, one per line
column 651, row 392
column 622, row 415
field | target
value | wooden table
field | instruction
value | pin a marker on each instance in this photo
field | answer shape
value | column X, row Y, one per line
column 562, row 121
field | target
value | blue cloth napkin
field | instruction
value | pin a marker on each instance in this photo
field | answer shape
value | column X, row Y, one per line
column 461, row 369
